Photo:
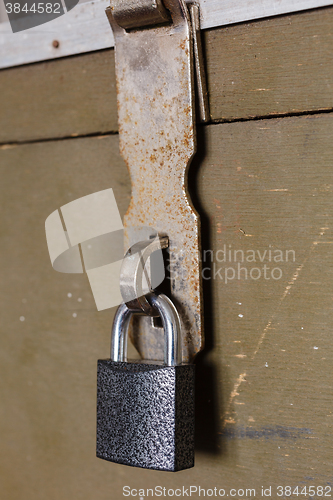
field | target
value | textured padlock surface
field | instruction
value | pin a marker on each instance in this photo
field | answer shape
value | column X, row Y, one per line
column 145, row 414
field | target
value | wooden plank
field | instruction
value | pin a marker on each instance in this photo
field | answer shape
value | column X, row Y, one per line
column 69, row 97
column 266, row 189
column 85, row 28
column 264, row 391
column 271, row 67
column 45, row 355
column 281, row 65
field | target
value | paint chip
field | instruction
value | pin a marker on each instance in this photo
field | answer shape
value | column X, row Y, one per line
column 266, row 364
column 315, row 347
column 240, row 315
column 22, row 318
column 69, row 295
column 74, row 315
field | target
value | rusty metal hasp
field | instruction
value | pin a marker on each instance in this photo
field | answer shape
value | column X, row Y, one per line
column 156, row 105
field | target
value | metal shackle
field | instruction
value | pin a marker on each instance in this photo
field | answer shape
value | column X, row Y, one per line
column 171, row 325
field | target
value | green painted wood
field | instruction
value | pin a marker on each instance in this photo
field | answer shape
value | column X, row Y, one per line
column 67, row 97
column 276, row 66
column 263, row 391
column 266, row 189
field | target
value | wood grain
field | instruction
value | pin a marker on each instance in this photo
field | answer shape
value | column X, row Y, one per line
column 263, row 391
column 267, row 186
column 68, row 97
column 276, row 66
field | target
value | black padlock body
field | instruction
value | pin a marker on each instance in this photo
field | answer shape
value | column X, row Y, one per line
column 145, row 414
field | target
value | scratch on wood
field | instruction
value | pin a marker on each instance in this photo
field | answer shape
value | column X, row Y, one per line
column 291, row 282
column 233, row 394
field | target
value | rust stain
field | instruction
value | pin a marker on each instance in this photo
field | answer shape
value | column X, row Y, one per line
column 157, row 140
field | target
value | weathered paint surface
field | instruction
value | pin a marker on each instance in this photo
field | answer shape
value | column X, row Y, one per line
column 264, row 383
column 262, row 419
column 76, row 95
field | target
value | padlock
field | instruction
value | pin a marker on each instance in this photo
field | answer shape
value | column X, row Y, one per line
column 145, row 409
